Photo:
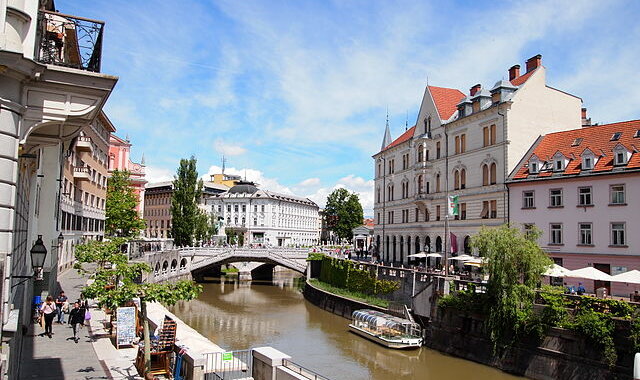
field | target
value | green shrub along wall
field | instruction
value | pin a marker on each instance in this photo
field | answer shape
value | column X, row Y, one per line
column 346, row 275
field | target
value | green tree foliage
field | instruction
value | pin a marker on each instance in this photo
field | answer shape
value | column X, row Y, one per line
column 206, row 226
column 187, row 190
column 343, row 212
column 116, row 281
column 122, row 219
column 515, row 265
column 346, row 275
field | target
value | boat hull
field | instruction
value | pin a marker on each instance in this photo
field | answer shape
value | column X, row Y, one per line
column 409, row 344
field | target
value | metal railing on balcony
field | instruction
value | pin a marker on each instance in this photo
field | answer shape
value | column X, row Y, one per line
column 70, row 41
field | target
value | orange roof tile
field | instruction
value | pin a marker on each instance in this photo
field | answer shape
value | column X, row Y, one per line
column 596, row 138
column 446, row 100
column 522, row 78
column 403, row 137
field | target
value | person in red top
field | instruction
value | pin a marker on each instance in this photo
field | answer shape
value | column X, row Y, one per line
column 49, row 311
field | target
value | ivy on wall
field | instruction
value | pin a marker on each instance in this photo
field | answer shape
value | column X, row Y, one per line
column 346, row 275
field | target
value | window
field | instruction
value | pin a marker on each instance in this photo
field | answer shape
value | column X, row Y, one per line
column 438, row 150
column 377, row 196
column 555, row 233
column 558, row 164
column 492, row 134
column 616, row 136
column 617, row 234
column 255, row 221
column 244, row 208
column 587, row 163
column 437, row 183
column 485, row 175
column 235, row 208
column 438, row 212
column 255, row 207
column 420, row 186
column 417, row 214
column 420, row 154
column 379, row 170
column 493, row 209
column 528, row 199
column 484, row 214
column 528, row 230
column 555, row 198
column 463, row 211
column 390, row 215
column 485, row 136
column 456, row 180
column 534, row 167
column 620, row 158
column 493, row 173
column 577, row 141
column 585, row 233
column 262, row 208
column 617, row 194
column 457, row 145
column 463, row 143
column 463, row 179
column 584, row 196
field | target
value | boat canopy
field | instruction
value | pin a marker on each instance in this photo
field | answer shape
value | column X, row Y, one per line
column 376, row 318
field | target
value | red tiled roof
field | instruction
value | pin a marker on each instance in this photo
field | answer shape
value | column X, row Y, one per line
column 522, row 78
column 368, row 222
column 596, row 138
column 446, row 100
column 403, row 137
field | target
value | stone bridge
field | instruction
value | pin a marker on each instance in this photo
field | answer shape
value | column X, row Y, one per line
column 198, row 261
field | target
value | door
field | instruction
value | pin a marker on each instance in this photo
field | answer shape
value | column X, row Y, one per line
column 606, row 268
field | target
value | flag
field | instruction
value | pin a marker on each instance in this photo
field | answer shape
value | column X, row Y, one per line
column 454, row 243
column 452, row 209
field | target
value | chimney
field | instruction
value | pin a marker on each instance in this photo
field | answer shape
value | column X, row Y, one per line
column 514, row 72
column 474, row 89
column 586, row 122
column 534, row 62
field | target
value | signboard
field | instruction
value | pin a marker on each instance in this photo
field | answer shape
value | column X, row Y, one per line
column 126, row 327
column 227, row 356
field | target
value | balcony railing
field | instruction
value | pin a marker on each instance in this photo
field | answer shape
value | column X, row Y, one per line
column 81, row 173
column 424, row 197
column 69, row 41
column 84, row 144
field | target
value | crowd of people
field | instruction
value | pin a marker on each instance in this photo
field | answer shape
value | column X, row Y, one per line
column 50, row 309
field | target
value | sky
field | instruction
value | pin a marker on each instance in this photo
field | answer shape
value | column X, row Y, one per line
column 295, row 93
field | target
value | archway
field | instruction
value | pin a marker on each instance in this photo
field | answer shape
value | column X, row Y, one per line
column 427, row 244
column 394, row 249
column 183, row 263
column 438, row 244
column 417, row 244
column 174, row 265
column 165, row 265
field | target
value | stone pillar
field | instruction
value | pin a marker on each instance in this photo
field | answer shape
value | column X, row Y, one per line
column 266, row 360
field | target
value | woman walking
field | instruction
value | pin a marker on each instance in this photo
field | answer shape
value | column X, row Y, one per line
column 76, row 316
column 49, row 310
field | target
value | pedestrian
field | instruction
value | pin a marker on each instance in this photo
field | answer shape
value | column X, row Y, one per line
column 60, row 301
column 48, row 309
column 76, row 316
column 581, row 290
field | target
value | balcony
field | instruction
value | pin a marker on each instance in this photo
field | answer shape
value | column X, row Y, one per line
column 69, row 41
column 81, row 174
column 423, row 165
column 83, row 144
column 424, row 197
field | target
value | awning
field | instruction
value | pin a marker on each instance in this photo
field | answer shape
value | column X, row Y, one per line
column 630, row 277
column 556, row 270
column 433, row 254
column 419, row 255
column 462, row 258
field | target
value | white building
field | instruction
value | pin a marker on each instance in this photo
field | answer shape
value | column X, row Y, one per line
column 465, row 146
column 267, row 218
column 50, row 89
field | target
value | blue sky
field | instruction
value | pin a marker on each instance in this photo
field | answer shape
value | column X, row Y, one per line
column 294, row 93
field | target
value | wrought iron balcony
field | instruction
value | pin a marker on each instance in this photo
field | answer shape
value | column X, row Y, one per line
column 70, row 41
column 424, row 197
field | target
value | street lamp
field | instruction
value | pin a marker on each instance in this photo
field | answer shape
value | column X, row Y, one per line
column 38, row 254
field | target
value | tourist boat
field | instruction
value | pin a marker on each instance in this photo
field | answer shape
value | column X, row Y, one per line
column 385, row 329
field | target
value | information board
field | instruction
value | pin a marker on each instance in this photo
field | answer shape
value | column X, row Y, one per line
column 126, row 326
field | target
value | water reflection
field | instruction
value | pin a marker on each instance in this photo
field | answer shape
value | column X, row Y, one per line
column 239, row 315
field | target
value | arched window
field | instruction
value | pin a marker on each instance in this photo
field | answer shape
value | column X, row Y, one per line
column 438, row 244
column 467, row 244
column 493, row 173
column 485, row 175
column 456, row 180
column 463, row 178
column 378, row 195
column 420, row 154
column 427, row 244
column 416, row 243
column 437, row 183
column 420, row 184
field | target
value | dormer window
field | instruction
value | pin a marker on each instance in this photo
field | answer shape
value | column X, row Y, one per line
column 534, row 167
column 587, row 163
column 558, row 164
column 620, row 155
column 616, row 136
column 621, row 158
column 637, row 135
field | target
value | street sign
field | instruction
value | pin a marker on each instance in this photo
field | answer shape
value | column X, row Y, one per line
column 227, row 356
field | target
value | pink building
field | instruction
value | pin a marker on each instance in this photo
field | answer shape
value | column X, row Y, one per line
column 119, row 159
column 581, row 188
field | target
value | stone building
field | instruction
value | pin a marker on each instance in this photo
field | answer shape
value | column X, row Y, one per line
column 463, row 145
column 267, row 218
column 51, row 88
column 120, row 159
column 84, row 188
column 581, row 189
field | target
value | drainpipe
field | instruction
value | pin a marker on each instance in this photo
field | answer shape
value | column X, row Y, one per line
column 505, row 197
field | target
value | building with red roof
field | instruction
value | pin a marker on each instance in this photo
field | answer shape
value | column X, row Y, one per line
column 464, row 145
column 581, row 189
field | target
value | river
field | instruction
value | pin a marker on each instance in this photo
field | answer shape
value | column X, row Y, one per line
column 239, row 315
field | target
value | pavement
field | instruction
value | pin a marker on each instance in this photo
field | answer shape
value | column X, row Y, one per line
column 94, row 356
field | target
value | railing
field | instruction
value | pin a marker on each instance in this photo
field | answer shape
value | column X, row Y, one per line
column 425, row 196
column 228, row 365
column 70, row 41
column 307, row 373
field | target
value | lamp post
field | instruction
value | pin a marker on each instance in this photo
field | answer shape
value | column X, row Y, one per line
column 38, row 254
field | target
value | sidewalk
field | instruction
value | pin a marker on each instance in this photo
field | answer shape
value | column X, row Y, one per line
column 93, row 357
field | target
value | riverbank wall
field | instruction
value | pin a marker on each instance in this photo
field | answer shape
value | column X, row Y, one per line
column 335, row 304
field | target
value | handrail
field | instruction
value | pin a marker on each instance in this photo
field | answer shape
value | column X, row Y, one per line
column 307, row 373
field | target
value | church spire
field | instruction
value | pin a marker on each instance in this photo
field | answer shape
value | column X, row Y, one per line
column 387, row 134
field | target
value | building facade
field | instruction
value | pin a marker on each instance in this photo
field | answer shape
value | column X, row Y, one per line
column 581, row 189
column 120, row 159
column 464, row 146
column 266, row 218
column 51, row 88
column 84, row 188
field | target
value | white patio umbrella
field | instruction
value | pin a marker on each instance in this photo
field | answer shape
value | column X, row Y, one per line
column 434, row 254
column 419, row 255
column 589, row 273
column 630, row 277
column 476, row 261
column 461, row 258
column 556, row 270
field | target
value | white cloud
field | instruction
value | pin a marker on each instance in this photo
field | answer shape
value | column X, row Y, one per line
column 154, row 174
column 228, row 149
column 309, row 182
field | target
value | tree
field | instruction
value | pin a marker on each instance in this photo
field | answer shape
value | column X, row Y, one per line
column 206, row 226
column 343, row 212
column 115, row 282
column 187, row 190
column 515, row 264
column 122, row 218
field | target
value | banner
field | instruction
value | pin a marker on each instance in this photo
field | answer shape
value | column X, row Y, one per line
column 454, row 243
column 452, row 207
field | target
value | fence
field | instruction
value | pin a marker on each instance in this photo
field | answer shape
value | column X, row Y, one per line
column 228, row 365
column 306, row 373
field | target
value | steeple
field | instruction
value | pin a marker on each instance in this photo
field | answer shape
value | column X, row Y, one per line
column 142, row 160
column 387, row 135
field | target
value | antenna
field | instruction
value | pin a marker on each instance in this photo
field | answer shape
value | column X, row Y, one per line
column 224, row 161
